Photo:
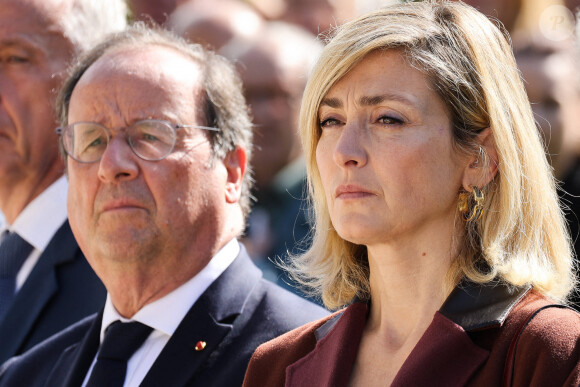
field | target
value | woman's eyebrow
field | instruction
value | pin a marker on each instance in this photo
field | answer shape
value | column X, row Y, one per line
column 370, row 100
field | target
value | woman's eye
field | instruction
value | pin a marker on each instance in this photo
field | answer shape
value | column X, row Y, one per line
column 388, row 120
column 328, row 122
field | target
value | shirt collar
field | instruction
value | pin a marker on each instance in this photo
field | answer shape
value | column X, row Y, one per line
column 180, row 300
column 476, row 306
column 50, row 206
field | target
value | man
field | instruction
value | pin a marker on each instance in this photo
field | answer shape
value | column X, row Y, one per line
column 274, row 67
column 47, row 284
column 158, row 139
column 213, row 23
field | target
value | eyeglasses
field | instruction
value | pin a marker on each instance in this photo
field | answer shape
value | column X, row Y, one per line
column 151, row 140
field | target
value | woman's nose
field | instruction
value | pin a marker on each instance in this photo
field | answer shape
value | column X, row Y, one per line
column 350, row 149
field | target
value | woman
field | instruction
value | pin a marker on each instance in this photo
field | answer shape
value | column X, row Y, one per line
column 436, row 215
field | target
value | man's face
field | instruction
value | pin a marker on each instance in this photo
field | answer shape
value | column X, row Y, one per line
column 33, row 55
column 160, row 218
column 273, row 91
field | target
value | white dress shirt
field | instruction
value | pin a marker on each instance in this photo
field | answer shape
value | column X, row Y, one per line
column 38, row 223
column 165, row 314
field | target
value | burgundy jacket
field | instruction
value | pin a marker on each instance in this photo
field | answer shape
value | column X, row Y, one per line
column 467, row 344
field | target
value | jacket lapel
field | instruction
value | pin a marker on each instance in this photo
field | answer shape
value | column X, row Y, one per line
column 444, row 356
column 209, row 320
column 36, row 292
column 71, row 368
column 445, row 353
column 331, row 361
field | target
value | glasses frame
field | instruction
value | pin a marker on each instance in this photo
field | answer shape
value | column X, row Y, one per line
column 61, row 130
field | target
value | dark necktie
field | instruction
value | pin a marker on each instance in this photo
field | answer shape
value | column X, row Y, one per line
column 13, row 252
column 121, row 341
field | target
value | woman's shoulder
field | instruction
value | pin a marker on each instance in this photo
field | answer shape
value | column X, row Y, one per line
column 541, row 317
column 547, row 341
column 296, row 342
column 268, row 364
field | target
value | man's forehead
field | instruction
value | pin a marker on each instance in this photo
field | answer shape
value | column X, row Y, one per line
column 48, row 12
column 35, row 26
column 142, row 82
column 159, row 62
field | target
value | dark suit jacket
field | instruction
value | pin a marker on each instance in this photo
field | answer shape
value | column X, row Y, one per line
column 238, row 312
column 467, row 343
column 61, row 289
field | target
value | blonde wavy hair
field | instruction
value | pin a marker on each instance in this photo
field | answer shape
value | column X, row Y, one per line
column 522, row 236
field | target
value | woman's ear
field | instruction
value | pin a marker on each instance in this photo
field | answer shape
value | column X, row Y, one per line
column 482, row 167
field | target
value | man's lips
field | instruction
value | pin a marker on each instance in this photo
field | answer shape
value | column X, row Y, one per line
column 117, row 205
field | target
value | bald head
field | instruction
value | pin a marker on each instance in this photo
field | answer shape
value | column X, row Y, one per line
column 216, row 22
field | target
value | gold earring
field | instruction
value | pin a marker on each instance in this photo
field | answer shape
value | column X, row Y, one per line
column 477, row 210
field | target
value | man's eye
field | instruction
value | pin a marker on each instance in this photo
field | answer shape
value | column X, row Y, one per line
column 150, row 137
column 15, row 59
column 97, row 142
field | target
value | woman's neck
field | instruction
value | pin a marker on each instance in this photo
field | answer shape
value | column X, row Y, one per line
column 407, row 281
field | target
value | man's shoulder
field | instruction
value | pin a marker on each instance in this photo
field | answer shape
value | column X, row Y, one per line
column 292, row 310
column 36, row 364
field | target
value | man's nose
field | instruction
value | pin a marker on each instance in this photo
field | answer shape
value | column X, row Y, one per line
column 118, row 162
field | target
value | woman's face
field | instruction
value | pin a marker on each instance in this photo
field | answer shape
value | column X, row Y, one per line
column 385, row 155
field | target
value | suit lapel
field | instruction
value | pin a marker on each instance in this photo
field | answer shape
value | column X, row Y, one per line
column 36, row 292
column 72, row 366
column 444, row 356
column 209, row 320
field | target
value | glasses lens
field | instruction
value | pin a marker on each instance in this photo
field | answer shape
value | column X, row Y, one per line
column 152, row 139
column 85, row 142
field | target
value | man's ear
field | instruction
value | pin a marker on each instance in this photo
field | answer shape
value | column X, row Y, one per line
column 481, row 167
column 235, row 163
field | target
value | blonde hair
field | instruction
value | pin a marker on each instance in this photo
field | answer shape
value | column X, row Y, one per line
column 521, row 237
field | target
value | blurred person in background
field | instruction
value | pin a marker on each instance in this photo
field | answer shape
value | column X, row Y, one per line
column 316, row 16
column 548, row 68
column 549, row 71
column 152, row 10
column 274, row 67
column 506, row 11
column 45, row 281
column 213, row 23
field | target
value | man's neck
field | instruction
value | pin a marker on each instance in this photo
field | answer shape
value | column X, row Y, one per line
column 17, row 193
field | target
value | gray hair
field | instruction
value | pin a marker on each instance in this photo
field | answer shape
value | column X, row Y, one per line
column 223, row 103
column 89, row 21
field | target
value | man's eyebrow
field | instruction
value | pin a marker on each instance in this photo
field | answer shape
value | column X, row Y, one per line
column 25, row 42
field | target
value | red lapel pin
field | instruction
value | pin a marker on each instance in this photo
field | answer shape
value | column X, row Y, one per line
column 200, row 345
